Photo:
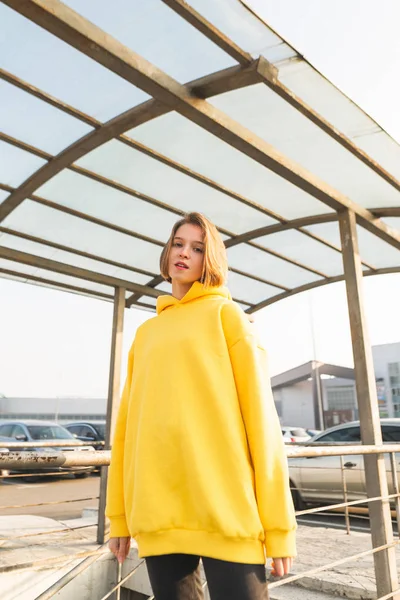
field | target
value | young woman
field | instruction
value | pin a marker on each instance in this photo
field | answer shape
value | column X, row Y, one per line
column 198, row 468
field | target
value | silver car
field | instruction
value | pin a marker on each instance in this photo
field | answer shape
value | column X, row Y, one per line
column 318, row 480
column 37, row 431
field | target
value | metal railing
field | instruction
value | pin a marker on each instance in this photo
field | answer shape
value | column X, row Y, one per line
column 33, row 460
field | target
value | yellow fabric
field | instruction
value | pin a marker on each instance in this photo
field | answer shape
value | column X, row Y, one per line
column 198, row 463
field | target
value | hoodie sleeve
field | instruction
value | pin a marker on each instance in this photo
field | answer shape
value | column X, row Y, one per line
column 265, row 440
column 115, row 506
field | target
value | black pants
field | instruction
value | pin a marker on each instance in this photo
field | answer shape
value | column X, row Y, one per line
column 177, row 577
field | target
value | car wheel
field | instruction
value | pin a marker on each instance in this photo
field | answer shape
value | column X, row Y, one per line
column 81, row 475
column 298, row 501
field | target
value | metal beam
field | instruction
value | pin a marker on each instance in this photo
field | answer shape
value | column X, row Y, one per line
column 151, row 153
column 145, row 198
column 296, row 224
column 57, row 267
column 206, row 28
column 316, row 284
column 63, row 286
column 270, row 76
column 216, row 83
column 112, row 401
column 375, row 470
column 73, row 29
column 101, row 259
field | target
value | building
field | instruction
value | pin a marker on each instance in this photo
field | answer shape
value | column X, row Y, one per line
column 318, row 395
column 315, row 395
column 62, row 410
column 387, row 372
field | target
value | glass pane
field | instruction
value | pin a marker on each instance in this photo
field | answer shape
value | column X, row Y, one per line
column 250, row 290
column 392, row 222
column 11, row 265
column 52, row 225
column 75, row 281
column 165, row 287
column 301, row 248
column 16, row 243
column 328, row 231
column 384, row 149
column 326, row 99
column 101, row 201
column 241, row 26
column 250, row 260
column 148, row 300
column 376, row 251
column 16, row 165
column 133, row 169
column 262, row 111
column 3, row 195
column 60, row 70
column 341, row 112
column 185, row 142
column 158, row 34
column 35, row 122
column 26, row 270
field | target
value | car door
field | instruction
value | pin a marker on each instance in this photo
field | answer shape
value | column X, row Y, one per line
column 321, row 477
column 391, row 435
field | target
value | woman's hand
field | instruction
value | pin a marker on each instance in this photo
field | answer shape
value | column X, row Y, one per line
column 281, row 566
column 120, row 547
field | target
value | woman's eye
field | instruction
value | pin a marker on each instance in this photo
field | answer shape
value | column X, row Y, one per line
column 198, row 250
column 177, row 244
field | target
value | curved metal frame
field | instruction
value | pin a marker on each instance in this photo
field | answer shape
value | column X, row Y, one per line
column 189, row 101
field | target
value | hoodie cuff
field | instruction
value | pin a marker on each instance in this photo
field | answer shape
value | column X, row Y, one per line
column 280, row 544
column 119, row 527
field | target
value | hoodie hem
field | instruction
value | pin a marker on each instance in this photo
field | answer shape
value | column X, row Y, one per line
column 201, row 543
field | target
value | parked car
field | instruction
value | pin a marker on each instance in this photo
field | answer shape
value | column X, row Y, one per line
column 294, row 434
column 318, row 480
column 3, row 452
column 33, row 431
column 93, row 432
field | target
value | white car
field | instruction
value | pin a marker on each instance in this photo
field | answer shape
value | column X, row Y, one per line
column 294, row 434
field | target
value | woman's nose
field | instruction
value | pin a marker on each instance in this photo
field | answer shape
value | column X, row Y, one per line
column 184, row 252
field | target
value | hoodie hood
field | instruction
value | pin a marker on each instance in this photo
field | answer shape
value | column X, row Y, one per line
column 196, row 291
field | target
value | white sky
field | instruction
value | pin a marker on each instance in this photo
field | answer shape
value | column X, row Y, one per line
column 57, row 344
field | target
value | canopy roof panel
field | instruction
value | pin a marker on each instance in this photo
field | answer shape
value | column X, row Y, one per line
column 119, row 117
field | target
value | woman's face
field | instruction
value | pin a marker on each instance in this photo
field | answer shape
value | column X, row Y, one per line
column 186, row 257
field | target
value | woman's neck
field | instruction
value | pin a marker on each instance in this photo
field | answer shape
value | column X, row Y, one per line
column 179, row 290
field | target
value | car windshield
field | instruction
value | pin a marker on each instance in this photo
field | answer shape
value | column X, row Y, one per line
column 49, row 432
column 299, row 432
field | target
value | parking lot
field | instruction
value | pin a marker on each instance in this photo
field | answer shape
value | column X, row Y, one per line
column 18, row 491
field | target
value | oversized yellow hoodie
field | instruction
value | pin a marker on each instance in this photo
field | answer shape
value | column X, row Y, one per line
column 198, row 463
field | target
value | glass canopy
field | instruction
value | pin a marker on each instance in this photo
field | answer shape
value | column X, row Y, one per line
column 118, row 117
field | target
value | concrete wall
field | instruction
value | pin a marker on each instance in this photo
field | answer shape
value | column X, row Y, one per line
column 296, row 404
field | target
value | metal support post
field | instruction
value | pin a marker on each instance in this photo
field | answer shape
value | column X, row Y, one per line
column 375, row 472
column 112, row 401
column 319, row 419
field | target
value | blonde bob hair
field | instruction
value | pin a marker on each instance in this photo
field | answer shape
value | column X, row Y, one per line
column 215, row 265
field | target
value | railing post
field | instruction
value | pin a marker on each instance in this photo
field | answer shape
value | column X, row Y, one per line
column 345, row 497
column 375, row 472
column 113, row 399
